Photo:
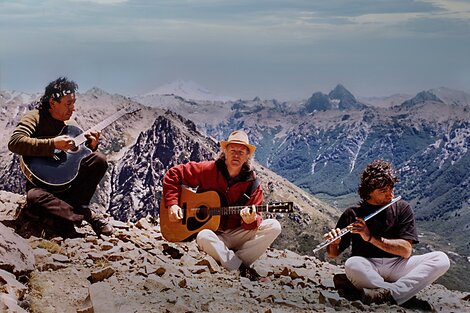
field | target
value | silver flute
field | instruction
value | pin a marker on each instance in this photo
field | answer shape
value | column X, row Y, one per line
column 345, row 230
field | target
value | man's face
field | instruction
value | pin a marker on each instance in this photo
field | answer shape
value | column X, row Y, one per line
column 381, row 196
column 63, row 108
column 236, row 155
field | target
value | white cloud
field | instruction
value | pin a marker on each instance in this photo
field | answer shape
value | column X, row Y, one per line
column 101, row 1
column 452, row 6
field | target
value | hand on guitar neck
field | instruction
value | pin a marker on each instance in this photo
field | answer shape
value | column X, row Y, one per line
column 67, row 143
column 92, row 139
column 248, row 214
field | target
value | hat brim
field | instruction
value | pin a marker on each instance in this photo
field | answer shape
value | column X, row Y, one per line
column 251, row 148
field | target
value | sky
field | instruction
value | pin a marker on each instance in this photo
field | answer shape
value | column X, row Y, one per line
column 282, row 49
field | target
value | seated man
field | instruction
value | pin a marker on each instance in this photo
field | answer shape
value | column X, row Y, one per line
column 241, row 238
column 38, row 133
column 381, row 265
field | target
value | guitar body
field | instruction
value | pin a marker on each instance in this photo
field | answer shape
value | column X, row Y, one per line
column 56, row 172
column 193, row 220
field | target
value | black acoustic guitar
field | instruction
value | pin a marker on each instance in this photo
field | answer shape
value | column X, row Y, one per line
column 203, row 211
column 59, row 170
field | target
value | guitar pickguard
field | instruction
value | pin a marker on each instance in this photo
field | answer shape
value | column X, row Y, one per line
column 198, row 220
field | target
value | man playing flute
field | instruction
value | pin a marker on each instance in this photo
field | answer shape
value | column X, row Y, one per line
column 381, row 266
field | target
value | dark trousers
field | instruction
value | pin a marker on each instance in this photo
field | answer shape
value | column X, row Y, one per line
column 71, row 203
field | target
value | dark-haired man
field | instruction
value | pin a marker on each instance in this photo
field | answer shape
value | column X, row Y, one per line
column 381, row 265
column 38, row 134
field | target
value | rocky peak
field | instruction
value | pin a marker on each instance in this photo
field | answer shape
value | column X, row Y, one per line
column 346, row 99
column 421, row 98
column 238, row 105
column 340, row 92
column 318, row 102
column 96, row 92
column 136, row 181
column 339, row 98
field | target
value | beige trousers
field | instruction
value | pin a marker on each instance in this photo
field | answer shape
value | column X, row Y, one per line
column 236, row 246
column 403, row 277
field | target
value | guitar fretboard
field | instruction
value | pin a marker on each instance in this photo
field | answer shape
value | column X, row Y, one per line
column 284, row 207
column 100, row 126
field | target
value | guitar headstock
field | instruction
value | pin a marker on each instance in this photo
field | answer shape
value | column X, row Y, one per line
column 281, row 207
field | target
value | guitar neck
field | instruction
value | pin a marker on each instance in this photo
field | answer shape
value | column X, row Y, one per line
column 274, row 208
column 100, row 126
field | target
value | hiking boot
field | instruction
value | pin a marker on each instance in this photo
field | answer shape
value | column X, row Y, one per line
column 377, row 296
column 418, row 304
column 29, row 223
column 45, row 227
column 101, row 226
column 27, row 228
column 249, row 273
column 58, row 227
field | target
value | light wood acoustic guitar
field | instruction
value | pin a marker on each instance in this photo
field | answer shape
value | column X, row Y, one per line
column 203, row 211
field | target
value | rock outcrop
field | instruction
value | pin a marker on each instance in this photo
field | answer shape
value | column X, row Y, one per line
column 16, row 258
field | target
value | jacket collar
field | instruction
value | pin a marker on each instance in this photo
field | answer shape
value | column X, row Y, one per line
column 245, row 174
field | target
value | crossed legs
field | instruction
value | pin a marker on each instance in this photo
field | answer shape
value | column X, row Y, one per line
column 403, row 277
column 236, row 246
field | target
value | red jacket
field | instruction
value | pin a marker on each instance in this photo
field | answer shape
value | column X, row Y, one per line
column 213, row 175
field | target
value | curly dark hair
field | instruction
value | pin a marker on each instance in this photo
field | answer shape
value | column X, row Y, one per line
column 378, row 174
column 56, row 89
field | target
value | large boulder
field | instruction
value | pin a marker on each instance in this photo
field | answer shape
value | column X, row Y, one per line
column 16, row 255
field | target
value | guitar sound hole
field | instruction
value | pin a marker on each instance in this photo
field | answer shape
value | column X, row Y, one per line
column 202, row 213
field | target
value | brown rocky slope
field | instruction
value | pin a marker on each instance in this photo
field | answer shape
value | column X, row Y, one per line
column 136, row 270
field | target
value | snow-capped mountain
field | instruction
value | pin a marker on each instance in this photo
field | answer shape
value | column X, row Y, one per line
column 452, row 96
column 16, row 97
column 188, row 90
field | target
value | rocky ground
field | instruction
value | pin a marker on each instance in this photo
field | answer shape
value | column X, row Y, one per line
column 136, row 270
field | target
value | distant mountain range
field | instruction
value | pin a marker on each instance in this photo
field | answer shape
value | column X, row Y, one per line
column 323, row 143
column 320, row 144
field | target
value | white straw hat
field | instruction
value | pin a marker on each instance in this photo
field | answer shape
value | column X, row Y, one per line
column 240, row 137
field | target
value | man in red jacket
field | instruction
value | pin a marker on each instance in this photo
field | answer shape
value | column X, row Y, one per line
column 241, row 238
